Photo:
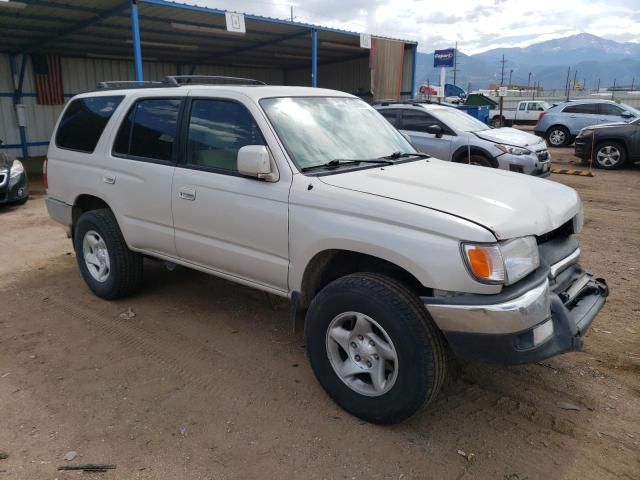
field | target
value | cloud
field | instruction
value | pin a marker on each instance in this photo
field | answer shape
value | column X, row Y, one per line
column 477, row 25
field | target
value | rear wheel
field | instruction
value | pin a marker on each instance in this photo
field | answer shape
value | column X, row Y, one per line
column 558, row 137
column 610, row 155
column 374, row 348
column 107, row 265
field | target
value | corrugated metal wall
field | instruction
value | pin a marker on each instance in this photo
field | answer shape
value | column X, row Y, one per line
column 345, row 76
column 81, row 75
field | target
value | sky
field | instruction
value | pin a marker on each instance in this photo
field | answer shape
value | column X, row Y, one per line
column 477, row 25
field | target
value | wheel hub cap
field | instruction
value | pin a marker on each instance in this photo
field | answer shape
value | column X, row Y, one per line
column 96, row 256
column 557, row 137
column 608, row 156
column 362, row 354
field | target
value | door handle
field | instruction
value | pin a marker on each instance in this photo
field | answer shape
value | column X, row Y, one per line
column 110, row 179
column 187, row 194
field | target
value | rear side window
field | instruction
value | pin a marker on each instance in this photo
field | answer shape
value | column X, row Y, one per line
column 391, row 116
column 417, row 121
column 608, row 109
column 591, row 108
column 83, row 122
column 149, row 129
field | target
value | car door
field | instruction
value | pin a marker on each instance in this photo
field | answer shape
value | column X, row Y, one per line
column 414, row 122
column 581, row 115
column 611, row 113
column 233, row 225
column 139, row 173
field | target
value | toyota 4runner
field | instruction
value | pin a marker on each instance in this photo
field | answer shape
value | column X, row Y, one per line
column 309, row 194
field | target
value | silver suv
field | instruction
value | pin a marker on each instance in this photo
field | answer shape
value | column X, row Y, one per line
column 561, row 123
column 450, row 134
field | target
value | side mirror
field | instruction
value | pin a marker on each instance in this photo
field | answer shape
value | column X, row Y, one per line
column 435, row 130
column 626, row 114
column 253, row 161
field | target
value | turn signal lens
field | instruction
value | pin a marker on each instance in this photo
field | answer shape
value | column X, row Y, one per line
column 484, row 262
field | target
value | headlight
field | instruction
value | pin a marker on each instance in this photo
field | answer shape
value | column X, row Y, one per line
column 512, row 150
column 17, row 169
column 578, row 220
column 501, row 263
column 585, row 133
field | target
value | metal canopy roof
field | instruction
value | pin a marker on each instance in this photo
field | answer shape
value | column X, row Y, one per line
column 169, row 31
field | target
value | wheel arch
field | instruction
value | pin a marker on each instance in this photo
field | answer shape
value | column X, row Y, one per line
column 83, row 203
column 460, row 155
column 329, row 265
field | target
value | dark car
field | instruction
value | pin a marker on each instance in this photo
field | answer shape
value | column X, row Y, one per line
column 14, row 184
column 611, row 145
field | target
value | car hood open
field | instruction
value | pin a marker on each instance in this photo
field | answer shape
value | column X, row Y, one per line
column 509, row 136
column 509, row 204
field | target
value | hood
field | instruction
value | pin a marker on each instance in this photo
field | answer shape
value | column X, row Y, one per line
column 509, row 136
column 605, row 125
column 507, row 203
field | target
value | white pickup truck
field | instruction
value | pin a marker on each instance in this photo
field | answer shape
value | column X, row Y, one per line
column 310, row 194
column 526, row 113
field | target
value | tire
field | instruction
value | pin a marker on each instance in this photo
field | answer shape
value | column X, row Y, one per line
column 558, row 136
column 495, row 122
column 480, row 161
column 609, row 155
column 22, row 201
column 401, row 326
column 113, row 271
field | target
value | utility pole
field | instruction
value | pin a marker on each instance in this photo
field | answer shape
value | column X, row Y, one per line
column 598, row 87
column 529, row 81
column 613, row 89
column 292, row 13
column 510, row 74
column 584, row 84
column 575, row 76
column 633, row 79
column 455, row 63
column 501, row 97
column 566, row 84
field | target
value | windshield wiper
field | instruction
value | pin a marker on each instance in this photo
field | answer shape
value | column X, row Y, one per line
column 338, row 162
column 396, row 155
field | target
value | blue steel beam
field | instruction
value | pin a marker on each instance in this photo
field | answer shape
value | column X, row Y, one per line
column 17, row 97
column 314, row 58
column 135, row 35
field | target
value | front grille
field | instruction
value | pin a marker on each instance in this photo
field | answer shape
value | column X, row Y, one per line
column 542, row 155
column 564, row 230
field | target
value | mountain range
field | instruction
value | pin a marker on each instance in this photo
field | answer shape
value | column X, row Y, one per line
column 594, row 58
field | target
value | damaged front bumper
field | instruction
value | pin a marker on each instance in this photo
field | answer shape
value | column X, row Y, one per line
column 541, row 316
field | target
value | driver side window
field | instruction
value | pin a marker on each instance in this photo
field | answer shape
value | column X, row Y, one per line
column 419, row 121
column 217, row 130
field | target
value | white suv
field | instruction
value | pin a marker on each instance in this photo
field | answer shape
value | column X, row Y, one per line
column 310, row 194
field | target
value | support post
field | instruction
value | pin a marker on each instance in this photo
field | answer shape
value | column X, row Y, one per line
column 135, row 38
column 413, row 71
column 17, row 98
column 443, row 76
column 314, row 58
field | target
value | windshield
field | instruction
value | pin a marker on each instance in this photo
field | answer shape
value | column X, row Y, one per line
column 458, row 120
column 635, row 111
column 316, row 130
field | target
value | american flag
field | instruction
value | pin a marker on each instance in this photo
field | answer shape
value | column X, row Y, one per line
column 47, row 76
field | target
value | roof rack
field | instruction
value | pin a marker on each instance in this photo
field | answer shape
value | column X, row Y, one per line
column 114, row 85
column 178, row 80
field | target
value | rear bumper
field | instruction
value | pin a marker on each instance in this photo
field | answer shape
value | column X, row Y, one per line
column 543, row 317
column 60, row 211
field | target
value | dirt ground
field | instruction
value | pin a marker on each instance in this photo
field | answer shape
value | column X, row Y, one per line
column 206, row 381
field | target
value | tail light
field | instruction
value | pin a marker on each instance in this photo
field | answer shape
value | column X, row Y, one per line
column 540, row 116
column 45, row 179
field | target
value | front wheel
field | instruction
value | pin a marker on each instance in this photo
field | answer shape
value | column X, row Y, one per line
column 374, row 348
column 497, row 122
column 610, row 155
